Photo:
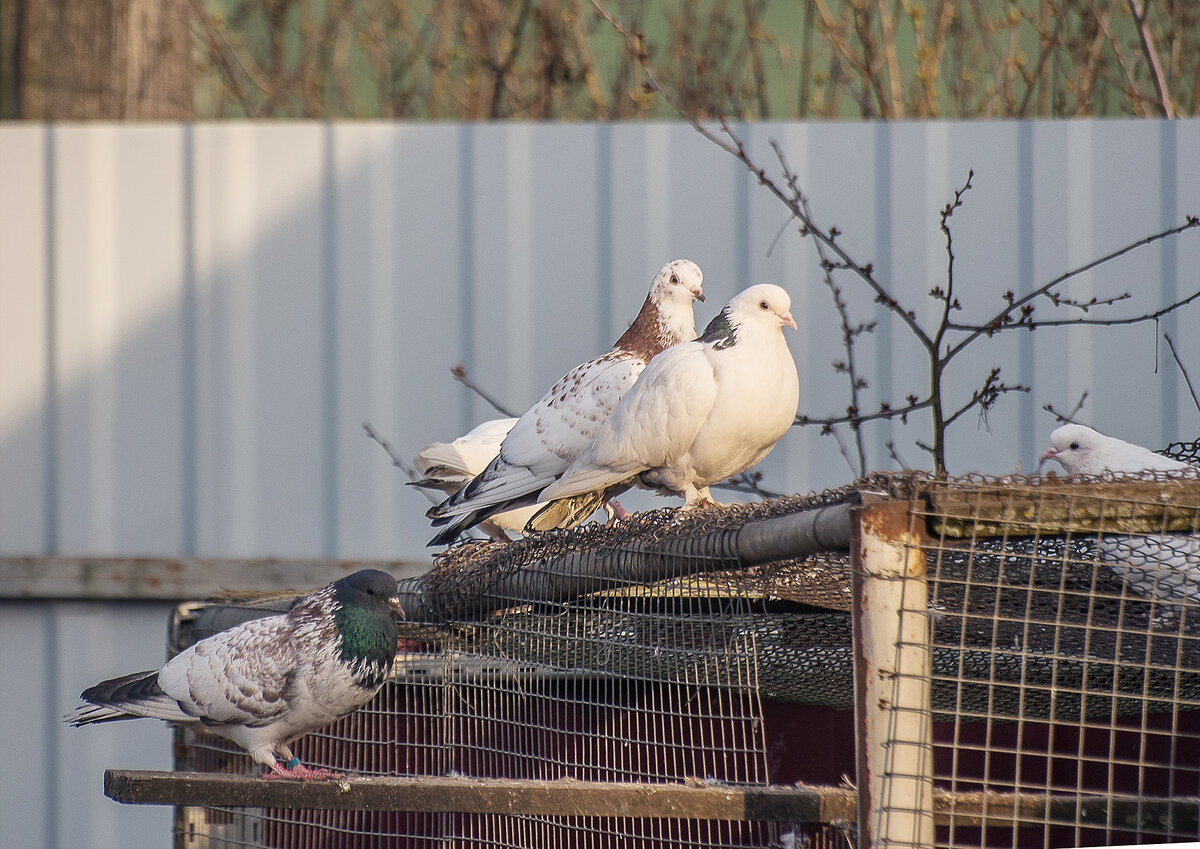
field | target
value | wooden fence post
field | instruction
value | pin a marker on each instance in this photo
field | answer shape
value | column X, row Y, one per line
column 893, row 716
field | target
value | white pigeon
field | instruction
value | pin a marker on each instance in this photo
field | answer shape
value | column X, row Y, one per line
column 553, row 431
column 268, row 681
column 700, row 412
column 1083, row 451
column 1163, row 566
column 449, row 466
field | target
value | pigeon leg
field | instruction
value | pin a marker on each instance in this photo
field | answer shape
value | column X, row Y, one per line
column 295, row 769
column 615, row 512
column 694, row 499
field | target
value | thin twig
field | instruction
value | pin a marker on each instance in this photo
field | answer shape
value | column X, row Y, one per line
column 1004, row 320
column 398, row 461
column 1186, row 376
column 459, row 373
column 895, row 455
column 747, row 481
column 1067, row 417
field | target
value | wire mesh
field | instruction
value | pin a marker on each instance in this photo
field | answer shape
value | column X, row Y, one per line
column 650, row 683
column 1061, row 675
column 1065, row 639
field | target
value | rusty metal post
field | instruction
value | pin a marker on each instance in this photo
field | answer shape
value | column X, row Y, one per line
column 893, row 719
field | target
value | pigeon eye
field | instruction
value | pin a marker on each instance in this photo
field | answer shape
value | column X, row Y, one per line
column 674, row 279
column 1074, row 446
column 763, row 305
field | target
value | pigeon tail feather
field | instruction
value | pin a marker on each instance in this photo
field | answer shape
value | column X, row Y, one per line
column 455, row 526
column 127, row 697
column 570, row 511
column 495, row 489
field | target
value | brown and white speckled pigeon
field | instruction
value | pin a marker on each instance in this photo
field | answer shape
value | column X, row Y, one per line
column 1162, row 566
column 271, row 680
column 550, row 434
column 449, row 466
column 700, row 412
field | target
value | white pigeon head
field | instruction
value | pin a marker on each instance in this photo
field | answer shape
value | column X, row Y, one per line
column 754, row 313
column 678, row 282
column 1083, row 451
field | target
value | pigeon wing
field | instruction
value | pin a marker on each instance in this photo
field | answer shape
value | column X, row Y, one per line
column 549, row 436
column 655, row 423
column 240, row 676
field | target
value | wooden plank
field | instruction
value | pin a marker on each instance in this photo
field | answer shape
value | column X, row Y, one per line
column 792, row 803
column 1056, row 506
column 174, row 579
column 427, row 794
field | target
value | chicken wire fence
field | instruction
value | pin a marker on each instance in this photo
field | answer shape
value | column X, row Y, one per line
column 1057, row 684
column 645, row 682
column 1060, row 654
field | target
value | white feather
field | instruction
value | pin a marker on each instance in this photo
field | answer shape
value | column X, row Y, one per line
column 449, row 466
column 1163, row 566
column 701, row 411
column 548, row 436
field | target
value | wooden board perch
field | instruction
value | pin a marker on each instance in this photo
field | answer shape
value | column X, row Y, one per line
column 793, row 803
column 1058, row 506
column 427, row 794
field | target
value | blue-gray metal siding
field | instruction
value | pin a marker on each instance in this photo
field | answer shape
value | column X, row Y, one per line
column 195, row 321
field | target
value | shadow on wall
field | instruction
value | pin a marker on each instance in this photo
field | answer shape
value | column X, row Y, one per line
column 215, row 310
column 212, row 311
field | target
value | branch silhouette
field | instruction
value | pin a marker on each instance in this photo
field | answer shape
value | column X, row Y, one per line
column 941, row 348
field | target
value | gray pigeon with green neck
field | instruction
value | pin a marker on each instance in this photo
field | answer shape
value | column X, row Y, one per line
column 270, row 680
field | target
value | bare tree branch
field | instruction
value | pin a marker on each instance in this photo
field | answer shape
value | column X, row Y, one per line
column 1187, row 377
column 1067, row 417
column 747, row 481
column 1148, row 47
column 1004, row 319
column 459, row 373
column 1017, row 312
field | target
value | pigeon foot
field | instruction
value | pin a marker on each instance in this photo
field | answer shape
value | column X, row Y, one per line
column 295, row 769
column 616, row 513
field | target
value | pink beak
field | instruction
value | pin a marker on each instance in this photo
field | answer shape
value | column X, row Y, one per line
column 698, row 294
column 1049, row 455
column 787, row 319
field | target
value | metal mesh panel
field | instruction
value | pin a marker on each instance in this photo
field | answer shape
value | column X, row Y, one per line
column 638, row 683
column 1065, row 653
column 1057, row 645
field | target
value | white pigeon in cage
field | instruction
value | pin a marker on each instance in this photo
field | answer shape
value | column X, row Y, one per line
column 700, row 412
column 449, row 466
column 548, row 436
column 1083, row 451
column 268, row 681
column 1162, row 566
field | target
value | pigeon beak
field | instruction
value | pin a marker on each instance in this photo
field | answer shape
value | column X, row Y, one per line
column 698, row 294
column 787, row 319
column 397, row 607
column 1049, row 454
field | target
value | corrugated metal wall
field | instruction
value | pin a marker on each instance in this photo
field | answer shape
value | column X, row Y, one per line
column 196, row 320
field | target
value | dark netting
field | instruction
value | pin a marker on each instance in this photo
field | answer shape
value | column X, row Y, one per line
column 1065, row 658
column 660, row 681
column 1188, row 452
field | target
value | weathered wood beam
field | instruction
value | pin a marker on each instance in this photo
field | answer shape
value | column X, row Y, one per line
column 793, row 803
column 427, row 794
column 175, row 578
column 1057, row 506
